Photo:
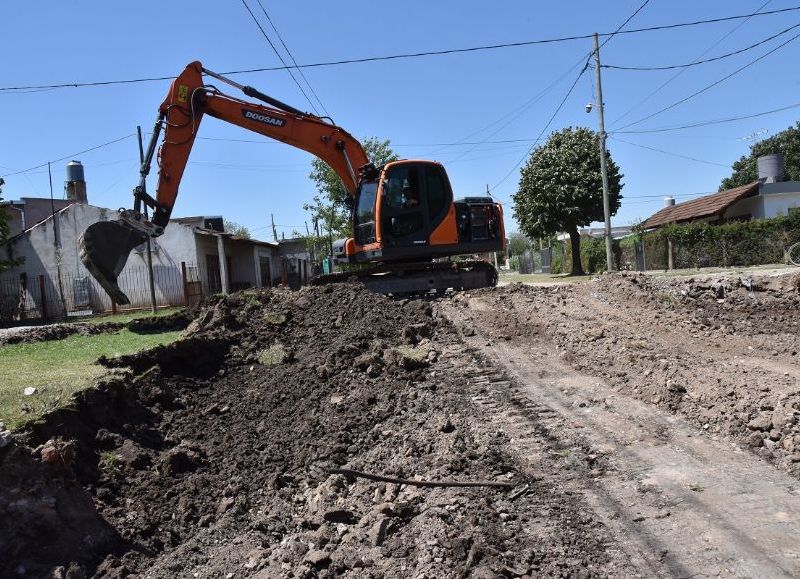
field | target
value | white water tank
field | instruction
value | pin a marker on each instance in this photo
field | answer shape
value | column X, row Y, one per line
column 770, row 168
column 669, row 201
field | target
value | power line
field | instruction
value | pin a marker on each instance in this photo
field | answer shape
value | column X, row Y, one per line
column 65, row 157
column 681, row 71
column 670, row 153
column 713, row 84
column 707, row 60
column 516, row 113
column 628, row 19
column 706, row 123
column 288, row 69
column 294, row 62
column 419, row 54
column 549, row 122
column 564, row 100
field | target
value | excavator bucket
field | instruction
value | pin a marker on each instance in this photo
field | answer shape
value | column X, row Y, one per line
column 104, row 249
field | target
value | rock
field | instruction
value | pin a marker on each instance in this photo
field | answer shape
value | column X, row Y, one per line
column 29, row 391
column 317, row 558
column 377, row 534
column 130, row 454
column 225, row 504
column 340, row 516
column 761, row 422
column 274, row 355
column 179, row 460
column 468, row 331
column 447, row 426
column 5, row 437
column 755, row 440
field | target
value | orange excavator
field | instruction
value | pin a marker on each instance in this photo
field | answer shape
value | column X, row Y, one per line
column 404, row 217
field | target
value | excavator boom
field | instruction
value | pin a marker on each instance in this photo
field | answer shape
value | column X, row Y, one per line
column 105, row 246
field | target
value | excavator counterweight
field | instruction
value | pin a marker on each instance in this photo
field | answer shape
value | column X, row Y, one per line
column 403, row 213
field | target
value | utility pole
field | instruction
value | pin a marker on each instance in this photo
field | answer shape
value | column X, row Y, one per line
column 149, row 249
column 274, row 231
column 603, row 168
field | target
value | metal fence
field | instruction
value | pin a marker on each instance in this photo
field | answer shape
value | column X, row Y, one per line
column 53, row 295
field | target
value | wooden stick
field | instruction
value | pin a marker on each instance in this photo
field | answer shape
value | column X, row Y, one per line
column 419, row 483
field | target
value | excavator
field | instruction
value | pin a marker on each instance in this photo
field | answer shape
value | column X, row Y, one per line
column 404, row 217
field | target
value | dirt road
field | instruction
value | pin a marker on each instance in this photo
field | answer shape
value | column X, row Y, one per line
column 669, row 469
column 624, row 427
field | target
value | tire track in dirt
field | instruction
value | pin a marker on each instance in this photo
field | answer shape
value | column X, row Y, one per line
column 695, row 505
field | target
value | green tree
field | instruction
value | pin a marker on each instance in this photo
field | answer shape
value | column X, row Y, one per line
column 561, row 188
column 518, row 244
column 745, row 170
column 328, row 208
column 236, row 229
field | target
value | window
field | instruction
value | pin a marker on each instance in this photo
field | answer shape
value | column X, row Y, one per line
column 437, row 190
column 402, row 204
column 365, row 213
column 401, row 188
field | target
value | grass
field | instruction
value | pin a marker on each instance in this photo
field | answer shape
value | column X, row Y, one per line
column 125, row 317
column 59, row 368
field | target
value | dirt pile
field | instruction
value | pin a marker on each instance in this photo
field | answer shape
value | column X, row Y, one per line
column 212, row 458
column 721, row 351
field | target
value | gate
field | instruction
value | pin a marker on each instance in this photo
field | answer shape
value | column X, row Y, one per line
column 547, row 254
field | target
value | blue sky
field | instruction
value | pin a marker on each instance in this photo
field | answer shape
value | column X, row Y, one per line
column 416, row 103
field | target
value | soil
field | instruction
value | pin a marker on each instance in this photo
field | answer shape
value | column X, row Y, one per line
column 720, row 351
column 149, row 324
column 642, row 426
column 211, row 458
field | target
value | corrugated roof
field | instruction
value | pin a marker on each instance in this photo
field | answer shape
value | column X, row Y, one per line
column 707, row 206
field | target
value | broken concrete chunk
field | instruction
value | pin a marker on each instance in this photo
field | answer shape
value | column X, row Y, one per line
column 274, row 355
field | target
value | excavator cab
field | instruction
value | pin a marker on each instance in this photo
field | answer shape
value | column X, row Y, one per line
column 407, row 213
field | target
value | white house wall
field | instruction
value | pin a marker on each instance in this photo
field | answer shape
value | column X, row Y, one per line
column 36, row 246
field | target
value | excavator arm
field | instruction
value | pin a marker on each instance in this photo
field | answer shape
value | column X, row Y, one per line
column 105, row 246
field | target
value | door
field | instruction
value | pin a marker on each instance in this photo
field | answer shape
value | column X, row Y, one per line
column 403, row 207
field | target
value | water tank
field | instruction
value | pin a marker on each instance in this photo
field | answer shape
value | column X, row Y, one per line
column 669, row 201
column 75, row 185
column 770, row 168
column 75, row 171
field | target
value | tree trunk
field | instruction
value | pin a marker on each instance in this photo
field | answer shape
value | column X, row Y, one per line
column 575, row 243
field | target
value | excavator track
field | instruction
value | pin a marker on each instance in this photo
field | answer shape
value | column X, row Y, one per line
column 418, row 278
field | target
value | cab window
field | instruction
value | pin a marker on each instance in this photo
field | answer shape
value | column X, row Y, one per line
column 365, row 213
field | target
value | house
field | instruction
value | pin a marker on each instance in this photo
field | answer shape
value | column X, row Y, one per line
column 195, row 257
column 770, row 196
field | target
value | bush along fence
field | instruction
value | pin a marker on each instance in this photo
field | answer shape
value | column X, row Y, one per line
column 694, row 245
column 697, row 245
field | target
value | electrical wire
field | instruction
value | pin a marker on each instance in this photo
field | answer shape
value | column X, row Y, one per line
column 707, row 60
column 547, row 126
column 294, row 62
column 631, row 17
column 65, row 157
column 670, row 153
column 706, row 123
column 713, row 84
column 516, row 113
column 420, row 54
column 287, row 67
column 681, row 71
column 564, row 100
